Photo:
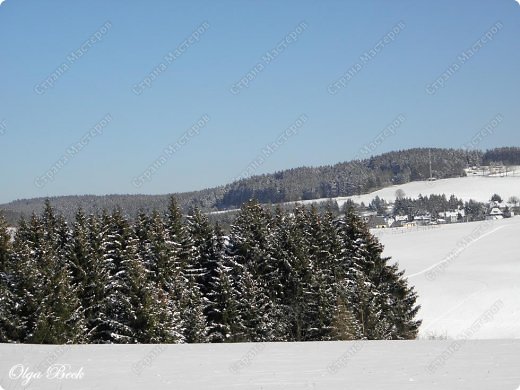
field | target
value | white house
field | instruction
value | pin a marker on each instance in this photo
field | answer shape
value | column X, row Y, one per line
column 452, row 216
column 495, row 214
column 424, row 219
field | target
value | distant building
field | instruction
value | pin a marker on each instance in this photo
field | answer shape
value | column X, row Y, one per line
column 404, row 224
column 495, row 214
column 366, row 216
column 424, row 219
column 377, row 222
column 452, row 216
column 497, row 170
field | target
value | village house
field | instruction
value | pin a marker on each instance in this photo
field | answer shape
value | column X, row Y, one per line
column 422, row 220
column 495, row 214
column 452, row 216
column 404, row 224
column 377, row 222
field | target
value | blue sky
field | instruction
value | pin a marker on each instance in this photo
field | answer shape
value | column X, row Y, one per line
column 42, row 115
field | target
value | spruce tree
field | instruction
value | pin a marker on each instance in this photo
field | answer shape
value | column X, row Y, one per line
column 254, row 306
column 204, row 265
column 156, row 318
column 25, row 279
column 292, row 240
column 324, row 250
column 87, row 269
column 223, row 306
column 115, row 311
column 179, row 239
column 7, row 302
column 192, row 307
column 383, row 304
column 59, row 316
column 251, row 248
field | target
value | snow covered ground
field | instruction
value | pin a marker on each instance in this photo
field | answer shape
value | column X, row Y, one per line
column 462, row 272
column 371, row 365
column 479, row 188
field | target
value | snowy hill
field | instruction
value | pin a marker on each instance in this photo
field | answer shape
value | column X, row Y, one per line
column 479, row 188
column 460, row 272
column 475, row 365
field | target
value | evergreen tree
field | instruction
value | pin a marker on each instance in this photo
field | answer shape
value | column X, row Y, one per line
column 383, row 304
column 85, row 265
column 157, row 317
column 161, row 255
column 254, row 307
column 344, row 324
column 250, row 246
column 115, row 310
column 287, row 303
column 179, row 238
column 324, row 251
column 150, row 319
column 7, row 319
column 24, row 283
column 203, row 238
column 5, row 244
column 223, row 306
column 59, row 316
column 293, row 244
column 192, row 307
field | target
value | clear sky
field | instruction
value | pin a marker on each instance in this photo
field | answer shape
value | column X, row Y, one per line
column 152, row 69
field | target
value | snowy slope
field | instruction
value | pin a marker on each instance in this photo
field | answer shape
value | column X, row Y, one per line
column 442, row 365
column 479, row 188
column 460, row 272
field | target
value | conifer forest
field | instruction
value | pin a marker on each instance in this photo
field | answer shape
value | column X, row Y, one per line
column 296, row 275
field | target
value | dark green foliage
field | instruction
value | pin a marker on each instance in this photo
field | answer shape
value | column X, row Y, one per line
column 8, row 321
column 506, row 156
column 433, row 204
column 279, row 276
column 382, row 303
column 496, row 198
column 475, row 211
column 223, row 305
column 46, row 307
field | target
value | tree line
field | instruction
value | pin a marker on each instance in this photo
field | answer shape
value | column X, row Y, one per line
column 355, row 177
column 278, row 275
column 505, row 155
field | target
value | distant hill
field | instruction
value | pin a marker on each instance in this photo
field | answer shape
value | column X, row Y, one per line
column 297, row 184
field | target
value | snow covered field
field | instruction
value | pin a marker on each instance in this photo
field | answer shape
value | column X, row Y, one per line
column 479, row 188
column 462, row 272
column 371, row 365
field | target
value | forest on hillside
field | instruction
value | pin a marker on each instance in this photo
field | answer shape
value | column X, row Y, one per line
column 304, row 183
column 165, row 278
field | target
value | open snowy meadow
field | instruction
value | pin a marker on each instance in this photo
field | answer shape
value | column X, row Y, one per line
column 478, row 188
column 322, row 365
column 464, row 273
